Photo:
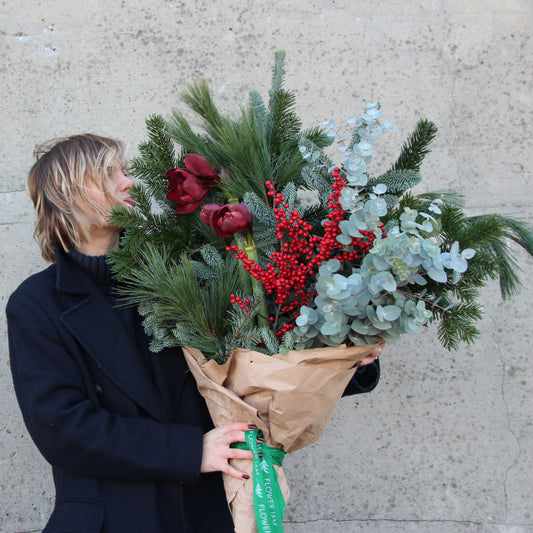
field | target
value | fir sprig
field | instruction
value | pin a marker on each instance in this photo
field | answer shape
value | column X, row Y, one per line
column 457, row 325
column 416, row 147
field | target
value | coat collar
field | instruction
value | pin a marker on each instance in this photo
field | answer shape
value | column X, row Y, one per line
column 90, row 317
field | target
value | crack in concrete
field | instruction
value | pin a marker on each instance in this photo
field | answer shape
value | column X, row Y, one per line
column 12, row 192
column 478, row 523
column 508, row 419
column 450, row 63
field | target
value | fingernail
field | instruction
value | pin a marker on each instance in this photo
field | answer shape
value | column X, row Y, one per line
column 252, row 426
column 261, row 439
column 246, row 476
column 260, row 455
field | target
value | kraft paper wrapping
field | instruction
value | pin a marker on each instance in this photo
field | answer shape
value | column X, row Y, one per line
column 291, row 398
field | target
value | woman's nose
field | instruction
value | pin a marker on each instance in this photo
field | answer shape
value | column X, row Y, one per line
column 125, row 183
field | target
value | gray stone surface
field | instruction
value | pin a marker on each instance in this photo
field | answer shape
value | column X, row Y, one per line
column 445, row 443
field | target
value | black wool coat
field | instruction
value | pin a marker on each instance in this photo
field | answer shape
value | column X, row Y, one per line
column 125, row 457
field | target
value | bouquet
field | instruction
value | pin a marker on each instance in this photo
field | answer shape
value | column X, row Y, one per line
column 278, row 268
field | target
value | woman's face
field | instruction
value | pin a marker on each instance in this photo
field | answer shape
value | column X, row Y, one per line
column 119, row 185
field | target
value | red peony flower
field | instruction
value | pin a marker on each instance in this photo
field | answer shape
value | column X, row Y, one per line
column 187, row 190
column 225, row 220
column 200, row 166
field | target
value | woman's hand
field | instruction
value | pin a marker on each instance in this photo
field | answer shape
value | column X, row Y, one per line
column 372, row 356
column 217, row 451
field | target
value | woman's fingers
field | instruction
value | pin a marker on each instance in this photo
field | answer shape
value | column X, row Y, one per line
column 217, row 452
column 231, row 471
column 373, row 355
column 236, row 427
column 236, row 453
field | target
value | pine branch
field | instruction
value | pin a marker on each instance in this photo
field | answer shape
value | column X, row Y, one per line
column 457, row 326
column 243, row 333
column 278, row 72
column 160, row 148
column 198, row 98
column 494, row 233
column 397, row 181
column 211, row 256
column 238, row 146
column 282, row 122
column 317, row 136
column 416, row 147
column 264, row 224
column 178, row 300
column 181, row 132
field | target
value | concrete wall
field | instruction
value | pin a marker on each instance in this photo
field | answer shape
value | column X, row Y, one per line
column 445, row 443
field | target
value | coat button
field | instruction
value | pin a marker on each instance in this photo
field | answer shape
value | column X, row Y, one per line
column 98, row 390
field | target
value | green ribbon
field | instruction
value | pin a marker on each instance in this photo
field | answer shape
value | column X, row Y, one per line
column 269, row 504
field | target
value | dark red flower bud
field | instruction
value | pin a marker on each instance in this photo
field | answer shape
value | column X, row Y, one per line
column 186, row 190
column 225, row 220
column 207, row 212
column 200, row 167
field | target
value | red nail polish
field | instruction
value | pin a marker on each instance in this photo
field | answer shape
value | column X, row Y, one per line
column 246, row 476
column 252, row 426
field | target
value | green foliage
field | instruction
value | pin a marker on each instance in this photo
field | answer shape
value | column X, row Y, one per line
column 397, row 181
column 258, row 106
column 416, row 147
column 432, row 216
column 492, row 235
column 196, row 310
column 144, row 224
column 157, row 155
column 457, row 325
column 148, row 228
column 264, row 224
column 260, row 145
column 282, row 122
column 178, row 273
column 456, row 305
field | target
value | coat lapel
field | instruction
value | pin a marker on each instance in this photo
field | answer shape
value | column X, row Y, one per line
column 99, row 329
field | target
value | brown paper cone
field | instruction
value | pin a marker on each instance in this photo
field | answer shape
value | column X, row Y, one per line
column 289, row 397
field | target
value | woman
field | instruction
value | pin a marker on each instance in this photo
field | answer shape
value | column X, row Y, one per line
column 129, row 438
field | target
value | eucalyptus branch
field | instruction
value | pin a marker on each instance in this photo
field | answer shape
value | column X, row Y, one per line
column 417, row 297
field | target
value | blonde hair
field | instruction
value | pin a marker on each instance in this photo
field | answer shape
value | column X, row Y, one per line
column 59, row 178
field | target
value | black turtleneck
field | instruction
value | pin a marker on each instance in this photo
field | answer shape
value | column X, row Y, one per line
column 94, row 265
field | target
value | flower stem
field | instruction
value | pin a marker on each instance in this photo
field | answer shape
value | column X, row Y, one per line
column 257, row 286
